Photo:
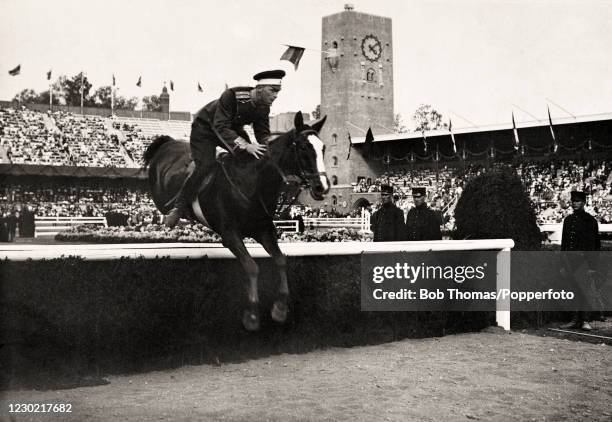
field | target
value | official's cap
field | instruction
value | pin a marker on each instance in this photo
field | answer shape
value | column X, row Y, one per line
column 418, row 191
column 578, row 196
column 386, row 189
column 269, row 77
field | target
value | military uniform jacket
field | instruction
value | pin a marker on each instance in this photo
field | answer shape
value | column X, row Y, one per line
column 232, row 111
column 387, row 223
column 580, row 233
column 422, row 223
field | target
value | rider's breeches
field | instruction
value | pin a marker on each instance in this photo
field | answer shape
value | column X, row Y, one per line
column 203, row 149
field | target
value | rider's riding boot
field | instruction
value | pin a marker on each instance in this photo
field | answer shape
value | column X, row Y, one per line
column 185, row 196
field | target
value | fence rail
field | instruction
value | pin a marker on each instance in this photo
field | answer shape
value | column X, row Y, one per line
column 50, row 226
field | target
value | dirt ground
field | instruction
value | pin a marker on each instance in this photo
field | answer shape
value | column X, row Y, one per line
column 488, row 376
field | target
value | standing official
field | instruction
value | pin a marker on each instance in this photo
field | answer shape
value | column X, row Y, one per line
column 422, row 223
column 580, row 233
column 387, row 222
column 221, row 123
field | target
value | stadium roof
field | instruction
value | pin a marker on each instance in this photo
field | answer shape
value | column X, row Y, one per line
column 487, row 128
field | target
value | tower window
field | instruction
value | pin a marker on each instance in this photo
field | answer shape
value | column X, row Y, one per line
column 334, row 180
column 334, row 200
column 334, row 161
column 370, row 75
column 334, row 138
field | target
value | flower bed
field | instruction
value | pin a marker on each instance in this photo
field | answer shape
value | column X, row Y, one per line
column 192, row 233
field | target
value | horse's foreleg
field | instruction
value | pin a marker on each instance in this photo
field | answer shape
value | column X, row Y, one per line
column 269, row 242
column 250, row 317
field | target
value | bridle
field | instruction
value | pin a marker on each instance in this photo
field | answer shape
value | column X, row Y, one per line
column 303, row 175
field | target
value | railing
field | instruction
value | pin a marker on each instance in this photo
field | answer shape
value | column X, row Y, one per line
column 50, row 226
column 291, row 226
column 358, row 223
column 554, row 231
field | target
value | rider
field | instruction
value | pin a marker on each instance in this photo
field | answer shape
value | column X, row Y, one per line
column 221, row 123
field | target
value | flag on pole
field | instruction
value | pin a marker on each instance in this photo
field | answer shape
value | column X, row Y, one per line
column 350, row 145
column 552, row 132
column 550, row 125
column 293, row 54
column 171, row 86
column 368, row 142
column 450, row 129
column 49, row 75
column 515, row 131
column 16, row 71
column 200, row 88
column 139, row 83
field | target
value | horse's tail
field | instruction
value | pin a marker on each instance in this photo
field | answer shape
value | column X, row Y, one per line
column 157, row 142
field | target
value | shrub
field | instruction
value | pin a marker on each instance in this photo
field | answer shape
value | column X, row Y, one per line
column 496, row 205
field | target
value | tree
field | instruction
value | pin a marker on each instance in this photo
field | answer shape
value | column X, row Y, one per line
column 398, row 124
column 122, row 103
column 316, row 114
column 43, row 98
column 71, row 88
column 152, row 103
column 102, row 97
column 427, row 118
column 27, row 96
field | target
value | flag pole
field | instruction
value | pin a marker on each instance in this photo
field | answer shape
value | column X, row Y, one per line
column 113, row 97
column 82, row 92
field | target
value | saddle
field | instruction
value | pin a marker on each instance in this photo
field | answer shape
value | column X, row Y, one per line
column 224, row 159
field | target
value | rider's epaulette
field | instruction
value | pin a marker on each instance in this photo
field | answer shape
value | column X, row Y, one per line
column 243, row 93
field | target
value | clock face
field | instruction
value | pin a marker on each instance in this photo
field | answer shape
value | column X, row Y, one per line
column 371, row 48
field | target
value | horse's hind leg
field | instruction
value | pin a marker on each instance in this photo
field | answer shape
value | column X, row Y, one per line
column 269, row 242
column 250, row 317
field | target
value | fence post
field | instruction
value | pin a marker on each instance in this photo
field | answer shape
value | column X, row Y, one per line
column 502, row 314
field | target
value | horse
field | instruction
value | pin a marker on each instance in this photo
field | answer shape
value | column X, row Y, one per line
column 243, row 196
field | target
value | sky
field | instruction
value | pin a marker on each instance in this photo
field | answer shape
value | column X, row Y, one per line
column 475, row 61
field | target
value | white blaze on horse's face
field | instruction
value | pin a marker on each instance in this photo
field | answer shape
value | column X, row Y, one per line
column 318, row 145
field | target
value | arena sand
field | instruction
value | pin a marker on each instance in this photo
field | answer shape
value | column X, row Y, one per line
column 487, row 376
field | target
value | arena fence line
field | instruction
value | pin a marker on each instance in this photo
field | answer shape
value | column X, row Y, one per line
column 50, row 226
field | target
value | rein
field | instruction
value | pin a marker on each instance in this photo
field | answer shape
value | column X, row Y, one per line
column 302, row 176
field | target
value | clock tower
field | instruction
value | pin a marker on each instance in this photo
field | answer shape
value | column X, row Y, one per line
column 356, row 91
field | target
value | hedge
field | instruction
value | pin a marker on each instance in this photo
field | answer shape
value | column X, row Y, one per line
column 81, row 317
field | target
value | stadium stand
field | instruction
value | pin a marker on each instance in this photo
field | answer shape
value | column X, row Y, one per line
column 67, row 139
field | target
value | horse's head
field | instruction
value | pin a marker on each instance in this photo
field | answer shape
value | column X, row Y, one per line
column 309, row 150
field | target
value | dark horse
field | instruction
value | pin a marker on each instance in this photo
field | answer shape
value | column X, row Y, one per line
column 244, row 196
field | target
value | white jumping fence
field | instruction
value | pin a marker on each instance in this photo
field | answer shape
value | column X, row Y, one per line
column 50, row 226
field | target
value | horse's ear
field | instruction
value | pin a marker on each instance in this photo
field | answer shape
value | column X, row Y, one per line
column 298, row 122
column 319, row 124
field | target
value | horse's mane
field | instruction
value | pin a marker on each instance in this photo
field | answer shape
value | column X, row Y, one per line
column 153, row 147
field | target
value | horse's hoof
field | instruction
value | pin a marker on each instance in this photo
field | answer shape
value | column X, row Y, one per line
column 279, row 312
column 250, row 320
